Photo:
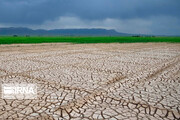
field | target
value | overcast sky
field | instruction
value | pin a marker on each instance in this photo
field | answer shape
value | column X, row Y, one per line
column 128, row 16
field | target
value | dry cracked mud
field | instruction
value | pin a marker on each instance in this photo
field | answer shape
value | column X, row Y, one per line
column 93, row 81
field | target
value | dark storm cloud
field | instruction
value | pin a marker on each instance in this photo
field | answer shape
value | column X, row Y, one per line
column 38, row 11
column 132, row 16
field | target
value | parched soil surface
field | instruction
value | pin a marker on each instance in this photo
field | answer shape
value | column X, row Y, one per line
column 93, row 81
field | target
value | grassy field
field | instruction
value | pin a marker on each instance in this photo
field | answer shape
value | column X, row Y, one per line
column 18, row 40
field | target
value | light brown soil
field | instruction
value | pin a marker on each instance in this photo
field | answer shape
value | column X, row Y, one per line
column 93, row 81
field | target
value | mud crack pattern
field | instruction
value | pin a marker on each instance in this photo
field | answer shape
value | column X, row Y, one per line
column 93, row 81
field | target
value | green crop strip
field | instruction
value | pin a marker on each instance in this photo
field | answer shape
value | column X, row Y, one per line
column 28, row 40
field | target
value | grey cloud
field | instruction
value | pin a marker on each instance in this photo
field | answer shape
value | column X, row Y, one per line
column 28, row 11
column 38, row 12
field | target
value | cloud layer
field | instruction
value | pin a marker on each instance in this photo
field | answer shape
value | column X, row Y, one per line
column 131, row 16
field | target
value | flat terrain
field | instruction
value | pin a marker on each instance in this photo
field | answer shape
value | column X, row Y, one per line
column 93, row 81
column 81, row 39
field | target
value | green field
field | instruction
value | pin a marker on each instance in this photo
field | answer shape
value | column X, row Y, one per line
column 18, row 40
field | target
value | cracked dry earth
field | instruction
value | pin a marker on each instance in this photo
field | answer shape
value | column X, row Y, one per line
column 93, row 81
